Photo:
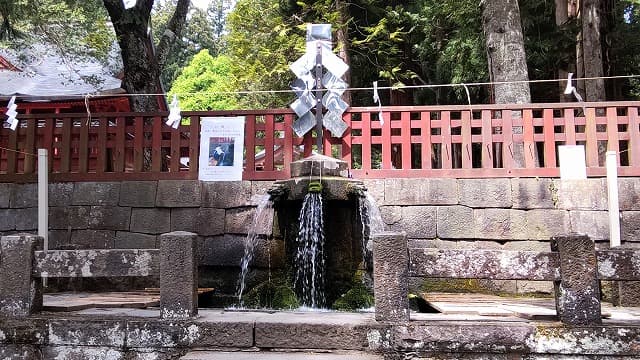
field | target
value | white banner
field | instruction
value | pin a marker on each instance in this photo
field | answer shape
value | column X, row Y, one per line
column 221, row 145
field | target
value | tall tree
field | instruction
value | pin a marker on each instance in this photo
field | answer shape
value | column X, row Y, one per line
column 505, row 51
column 591, row 49
column 141, row 63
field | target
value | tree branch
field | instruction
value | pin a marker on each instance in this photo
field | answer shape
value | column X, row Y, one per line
column 173, row 31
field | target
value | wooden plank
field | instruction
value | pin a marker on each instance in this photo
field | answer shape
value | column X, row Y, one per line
column 156, row 144
column 194, row 146
column 96, row 263
column 592, row 143
column 83, row 148
column 386, row 142
column 366, row 141
column 65, row 146
column 487, row 140
column 250, row 147
column 47, row 139
column 484, row 264
column 508, row 160
column 288, row 143
column 405, row 134
column 268, row 143
column 549, row 141
column 529, row 143
column 174, row 165
column 569, row 127
column 345, row 142
column 445, row 131
column 612, row 131
column 119, row 151
column 138, row 144
column 634, row 137
column 101, row 145
column 466, row 140
column 425, row 133
column 30, row 148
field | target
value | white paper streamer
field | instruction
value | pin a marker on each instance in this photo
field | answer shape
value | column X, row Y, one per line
column 174, row 117
column 376, row 100
column 11, row 113
column 572, row 89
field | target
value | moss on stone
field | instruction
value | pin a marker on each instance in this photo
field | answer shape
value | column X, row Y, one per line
column 358, row 297
column 453, row 285
column 276, row 294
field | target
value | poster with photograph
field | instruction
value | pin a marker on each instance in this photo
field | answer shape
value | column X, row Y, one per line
column 221, row 144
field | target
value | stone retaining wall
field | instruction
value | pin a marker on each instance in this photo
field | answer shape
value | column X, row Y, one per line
column 512, row 214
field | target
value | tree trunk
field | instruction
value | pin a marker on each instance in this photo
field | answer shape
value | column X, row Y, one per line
column 506, row 58
column 562, row 16
column 592, row 49
column 141, row 67
column 342, row 40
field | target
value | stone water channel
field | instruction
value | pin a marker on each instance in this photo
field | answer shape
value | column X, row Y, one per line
column 178, row 330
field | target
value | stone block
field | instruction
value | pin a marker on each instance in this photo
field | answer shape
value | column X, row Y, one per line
column 534, row 287
column 420, row 192
column 534, row 193
column 138, row 193
column 27, row 219
column 228, row 250
column 577, row 293
column 109, row 217
column 498, row 224
column 628, row 293
column 239, row 220
column 203, row 221
column 178, row 275
column 92, row 239
column 226, row 194
column 594, row 224
column 5, row 195
column 96, row 193
column 60, row 194
column 542, row 246
column 59, row 239
column 454, row 222
column 417, row 221
column 375, row 188
column 92, row 333
column 69, row 217
column 131, row 240
column 150, row 221
column 485, row 193
column 480, row 245
column 82, row 352
column 542, row 224
column 629, row 193
column 259, row 189
column 179, row 193
column 589, row 194
column 7, row 219
column 630, row 226
column 391, row 276
column 20, row 292
column 24, row 195
column 303, row 335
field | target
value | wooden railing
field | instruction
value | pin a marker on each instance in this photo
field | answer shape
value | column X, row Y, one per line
column 424, row 141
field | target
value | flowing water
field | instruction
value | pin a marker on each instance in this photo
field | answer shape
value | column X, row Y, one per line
column 310, row 257
column 262, row 224
column 371, row 224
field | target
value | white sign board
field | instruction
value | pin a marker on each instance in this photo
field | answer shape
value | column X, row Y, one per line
column 221, row 144
column 572, row 162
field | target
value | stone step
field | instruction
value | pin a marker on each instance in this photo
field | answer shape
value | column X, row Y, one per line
column 279, row 355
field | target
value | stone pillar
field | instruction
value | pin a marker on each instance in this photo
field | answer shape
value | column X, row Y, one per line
column 20, row 291
column 578, row 291
column 178, row 275
column 391, row 276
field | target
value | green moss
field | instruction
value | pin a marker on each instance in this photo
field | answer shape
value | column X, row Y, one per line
column 452, row 285
column 274, row 294
column 358, row 297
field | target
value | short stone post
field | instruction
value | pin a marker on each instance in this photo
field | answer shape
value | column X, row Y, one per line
column 578, row 291
column 20, row 291
column 178, row 275
column 391, row 276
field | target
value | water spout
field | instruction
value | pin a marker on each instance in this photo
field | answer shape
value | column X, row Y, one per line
column 310, row 259
column 262, row 224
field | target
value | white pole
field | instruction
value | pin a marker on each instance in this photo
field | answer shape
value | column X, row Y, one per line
column 614, row 208
column 43, row 197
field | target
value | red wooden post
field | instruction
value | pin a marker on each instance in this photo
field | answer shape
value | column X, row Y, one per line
column 268, row 143
column 156, row 144
column 569, row 127
column 83, row 151
column 138, row 144
column 174, row 165
column 194, row 146
column 612, row 131
column 65, row 151
column 487, row 140
column 425, row 132
column 405, row 123
column 366, row 141
column 592, row 141
column 528, row 139
column 250, row 146
column 507, row 141
column 466, row 140
column 30, row 160
column 345, row 142
column 386, row 142
column 445, row 130
column 119, row 152
column 287, row 147
column 634, row 137
column 549, row 140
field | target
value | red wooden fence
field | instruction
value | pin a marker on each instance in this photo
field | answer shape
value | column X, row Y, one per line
column 424, row 141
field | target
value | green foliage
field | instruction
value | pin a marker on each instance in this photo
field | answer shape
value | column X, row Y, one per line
column 358, row 297
column 274, row 294
column 211, row 76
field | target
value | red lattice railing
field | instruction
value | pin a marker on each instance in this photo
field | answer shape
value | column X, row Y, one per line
column 425, row 141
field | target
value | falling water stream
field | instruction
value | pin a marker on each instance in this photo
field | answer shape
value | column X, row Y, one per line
column 371, row 224
column 310, row 257
column 262, row 223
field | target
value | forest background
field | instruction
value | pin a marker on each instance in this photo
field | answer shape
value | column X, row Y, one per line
column 230, row 47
